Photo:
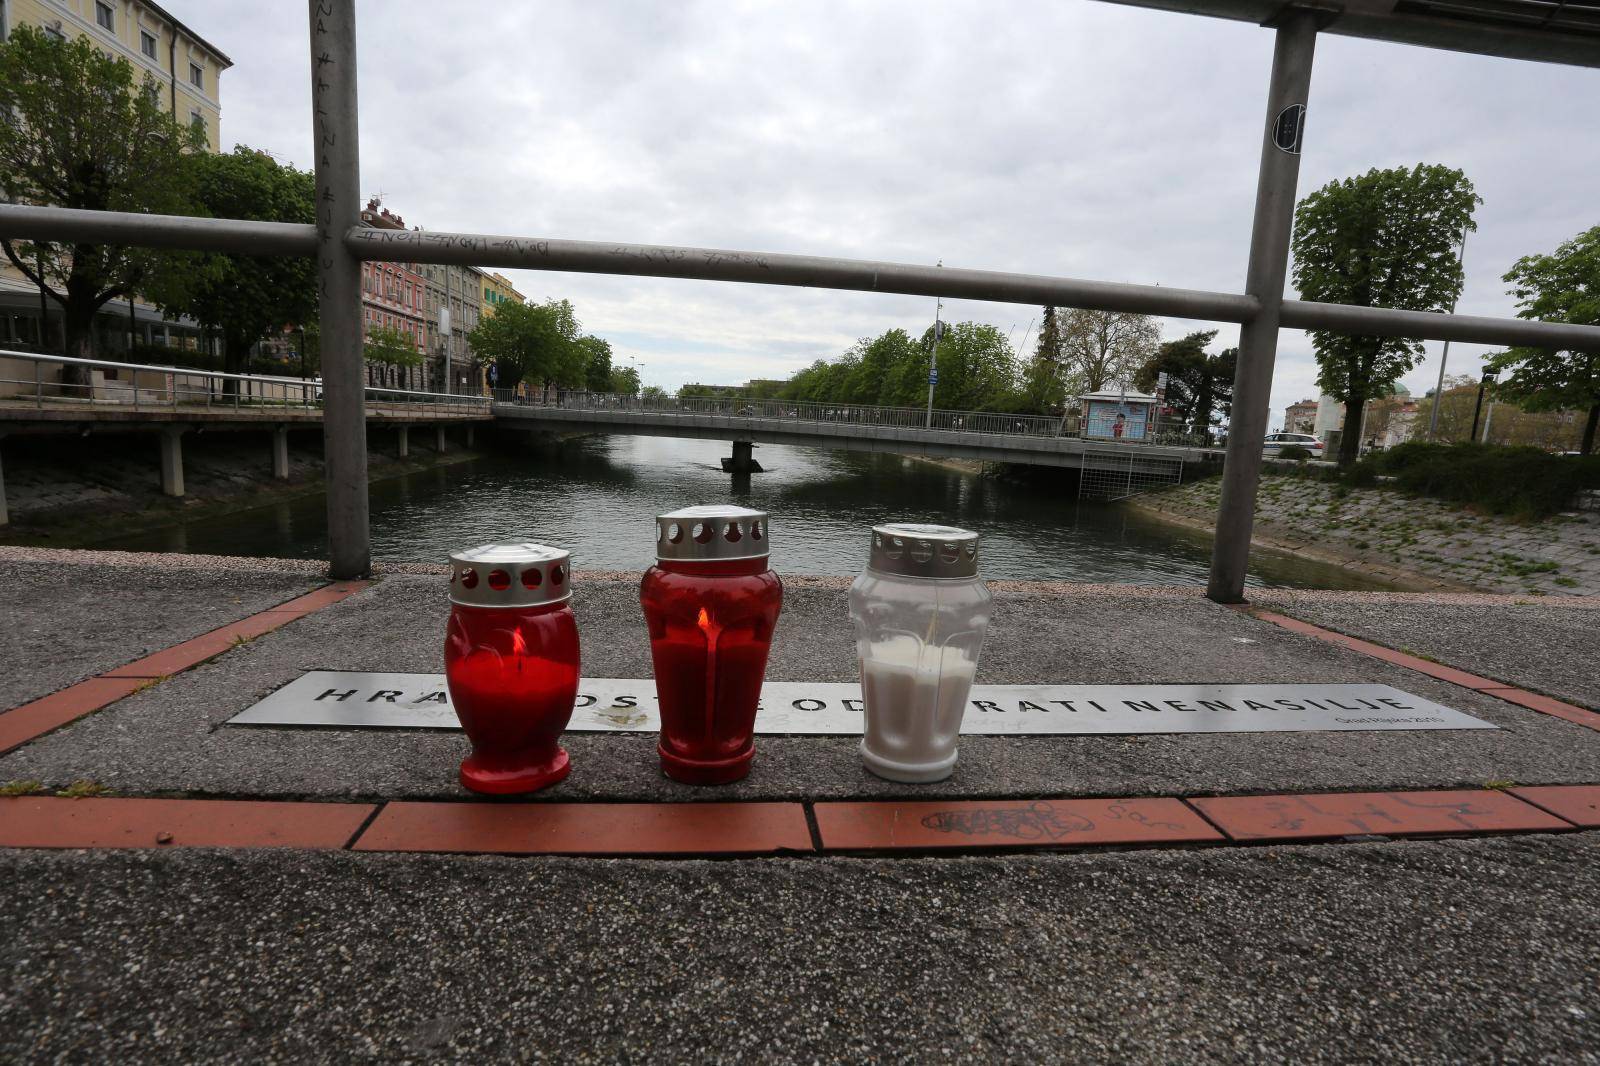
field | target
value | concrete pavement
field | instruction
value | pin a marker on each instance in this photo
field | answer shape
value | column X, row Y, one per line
column 1474, row 949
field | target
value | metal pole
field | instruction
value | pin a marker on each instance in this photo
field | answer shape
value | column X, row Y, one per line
column 1477, row 409
column 1444, row 356
column 1258, row 338
column 933, row 365
column 1487, row 419
column 338, row 168
column 44, row 306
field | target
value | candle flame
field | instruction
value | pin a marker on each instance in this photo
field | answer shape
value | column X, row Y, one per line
column 519, row 647
column 704, row 621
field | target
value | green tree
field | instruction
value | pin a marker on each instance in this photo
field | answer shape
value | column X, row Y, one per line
column 624, row 381
column 977, row 370
column 1198, row 384
column 1104, row 348
column 1561, row 287
column 535, row 341
column 391, row 347
column 1049, row 349
column 653, row 394
column 1384, row 239
column 596, row 363
column 242, row 297
column 81, row 134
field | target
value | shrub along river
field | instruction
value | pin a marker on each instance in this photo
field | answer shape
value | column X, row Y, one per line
column 597, row 496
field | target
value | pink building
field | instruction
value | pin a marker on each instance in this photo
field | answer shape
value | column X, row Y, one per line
column 392, row 298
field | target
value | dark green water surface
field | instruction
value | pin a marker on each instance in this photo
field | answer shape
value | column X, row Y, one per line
column 597, row 496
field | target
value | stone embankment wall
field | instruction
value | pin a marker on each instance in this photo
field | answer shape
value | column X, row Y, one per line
column 1389, row 533
column 69, row 489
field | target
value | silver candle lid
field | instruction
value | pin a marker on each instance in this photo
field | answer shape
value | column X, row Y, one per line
column 717, row 531
column 916, row 550
column 510, row 575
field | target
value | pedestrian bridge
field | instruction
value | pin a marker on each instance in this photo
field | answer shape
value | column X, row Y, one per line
column 999, row 438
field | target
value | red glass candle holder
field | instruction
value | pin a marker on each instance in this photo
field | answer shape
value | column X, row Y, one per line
column 711, row 602
column 511, row 664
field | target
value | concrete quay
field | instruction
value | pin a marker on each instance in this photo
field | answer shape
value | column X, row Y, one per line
column 285, row 914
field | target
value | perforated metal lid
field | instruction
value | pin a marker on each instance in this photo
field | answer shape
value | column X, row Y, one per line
column 510, row 575
column 718, row 531
column 915, row 550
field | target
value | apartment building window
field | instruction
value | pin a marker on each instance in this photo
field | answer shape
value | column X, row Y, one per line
column 147, row 44
column 197, row 77
column 104, row 16
column 197, row 121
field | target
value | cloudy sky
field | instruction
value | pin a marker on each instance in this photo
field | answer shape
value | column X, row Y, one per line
column 1072, row 138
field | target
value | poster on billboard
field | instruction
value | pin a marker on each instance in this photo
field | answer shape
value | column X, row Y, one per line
column 1112, row 420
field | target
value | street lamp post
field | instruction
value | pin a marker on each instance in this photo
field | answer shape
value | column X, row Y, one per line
column 1438, row 389
column 1487, row 380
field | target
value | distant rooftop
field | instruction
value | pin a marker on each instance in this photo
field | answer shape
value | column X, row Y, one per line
column 1550, row 31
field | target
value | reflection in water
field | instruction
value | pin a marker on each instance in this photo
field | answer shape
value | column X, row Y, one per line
column 598, row 496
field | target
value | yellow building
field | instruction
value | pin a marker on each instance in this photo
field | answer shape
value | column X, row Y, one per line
column 187, row 68
column 497, row 289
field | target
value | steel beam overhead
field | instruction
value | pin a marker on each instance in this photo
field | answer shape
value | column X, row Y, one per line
column 772, row 268
column 1547, row 31
column 64, row 224
column 338, row 169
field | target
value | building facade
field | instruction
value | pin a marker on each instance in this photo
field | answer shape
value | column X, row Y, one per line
column 187, row 69
column 392, row 297
column 461, row 290
column 1300, row 417
column 497, row 289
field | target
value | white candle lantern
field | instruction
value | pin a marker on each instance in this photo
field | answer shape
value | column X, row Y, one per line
column 920, row 612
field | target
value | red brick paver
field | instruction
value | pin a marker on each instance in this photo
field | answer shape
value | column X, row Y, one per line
column 1009, row 823
column 21, row 724
column 1578, row 804
column 109, row 822
column 1341, row 814
column 590, row 828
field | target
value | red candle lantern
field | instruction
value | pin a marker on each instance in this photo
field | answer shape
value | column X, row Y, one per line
column 511, row 663
column 711, row 602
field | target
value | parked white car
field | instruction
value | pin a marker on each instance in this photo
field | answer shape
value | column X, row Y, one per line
column 1276, row 442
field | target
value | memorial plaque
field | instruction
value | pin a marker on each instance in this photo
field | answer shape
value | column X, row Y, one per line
column 628, row 705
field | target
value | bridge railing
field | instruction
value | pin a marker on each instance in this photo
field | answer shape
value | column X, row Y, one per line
column 1067, row 426
column 54, row 382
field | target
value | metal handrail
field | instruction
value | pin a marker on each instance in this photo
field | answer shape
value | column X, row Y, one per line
column 992, row 423
column 251, row 392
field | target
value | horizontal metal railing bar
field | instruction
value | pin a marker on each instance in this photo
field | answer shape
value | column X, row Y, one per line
column 466, row 399
column 868, row 416
column 158, row 231
column 810, row 271
column 710, row 264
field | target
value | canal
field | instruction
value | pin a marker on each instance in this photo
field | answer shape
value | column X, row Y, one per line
column 598, row 495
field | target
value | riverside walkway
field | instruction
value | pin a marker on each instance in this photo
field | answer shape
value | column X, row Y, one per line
column 223, row 891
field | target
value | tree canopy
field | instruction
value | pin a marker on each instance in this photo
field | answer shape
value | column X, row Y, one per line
column 1386, row 238
column 82, row 133
column 1104, row 348
column 1560, row 287
column 243, row 296
column 391, row 347
column 1199, row 385
column 539, row 342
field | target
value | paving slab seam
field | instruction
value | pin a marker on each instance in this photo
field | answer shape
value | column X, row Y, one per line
column 1500, row 690
column 31, row 720
column 745, row 829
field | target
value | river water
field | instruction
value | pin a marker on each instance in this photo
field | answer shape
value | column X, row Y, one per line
column 597, row 496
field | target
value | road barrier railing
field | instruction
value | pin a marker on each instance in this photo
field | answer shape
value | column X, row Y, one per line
column 769, row 412
column 54, row 382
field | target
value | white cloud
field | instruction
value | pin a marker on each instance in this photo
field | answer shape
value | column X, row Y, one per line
column 1083, row 139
